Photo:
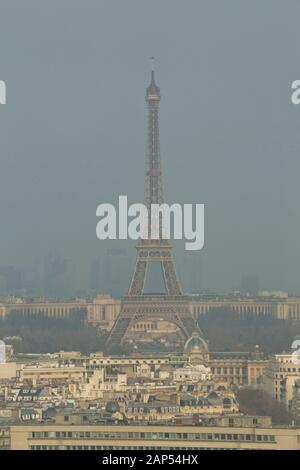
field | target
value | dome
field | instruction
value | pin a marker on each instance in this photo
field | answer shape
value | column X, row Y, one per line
column 195, row 344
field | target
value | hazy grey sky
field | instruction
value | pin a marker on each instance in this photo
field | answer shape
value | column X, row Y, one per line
column 72, row 134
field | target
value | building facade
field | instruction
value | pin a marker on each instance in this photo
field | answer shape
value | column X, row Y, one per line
column 116, row 437
column 281, row 374
column 103, row 310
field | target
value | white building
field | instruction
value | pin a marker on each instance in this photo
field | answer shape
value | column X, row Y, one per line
column 280, row 376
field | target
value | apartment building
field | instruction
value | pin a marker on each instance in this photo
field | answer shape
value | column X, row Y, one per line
column 280, row 375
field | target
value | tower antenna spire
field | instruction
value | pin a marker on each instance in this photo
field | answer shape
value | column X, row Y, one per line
column 152, row 67
column 152, row 63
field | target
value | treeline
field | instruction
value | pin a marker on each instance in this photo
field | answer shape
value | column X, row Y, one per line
column 39, row 333
column 229, row 331
column 259, row 403
column 226, row 331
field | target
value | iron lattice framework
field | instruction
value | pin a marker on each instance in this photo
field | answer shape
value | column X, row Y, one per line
column 171, row 306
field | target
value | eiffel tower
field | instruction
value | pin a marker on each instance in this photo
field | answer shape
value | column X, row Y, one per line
column 171, row 306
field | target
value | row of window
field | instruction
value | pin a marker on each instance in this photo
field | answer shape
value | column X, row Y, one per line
column 130, row 361
column 110, row 448
column 159, row 408
column 230, row 370
column 152, row 435
column 237, row 308
column 4, row 443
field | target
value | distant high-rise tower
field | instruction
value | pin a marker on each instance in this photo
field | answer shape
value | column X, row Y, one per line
column 191, row 271
column 171, row 305
column 249, row 284
column 116, row 265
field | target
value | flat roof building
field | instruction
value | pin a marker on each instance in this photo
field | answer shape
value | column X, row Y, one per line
column 114, row 437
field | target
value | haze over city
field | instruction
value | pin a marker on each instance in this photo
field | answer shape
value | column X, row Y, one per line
column 73, row 131
column 149, row 208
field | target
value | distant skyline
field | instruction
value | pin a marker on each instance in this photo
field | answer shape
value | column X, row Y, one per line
column 73, row 130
